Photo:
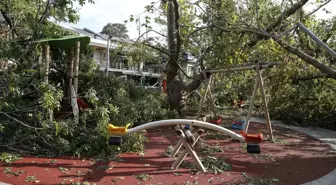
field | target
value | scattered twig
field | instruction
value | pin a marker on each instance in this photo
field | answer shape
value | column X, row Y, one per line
column 18, row 121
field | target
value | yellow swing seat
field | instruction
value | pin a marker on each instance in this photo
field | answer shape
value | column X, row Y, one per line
column 117, row 130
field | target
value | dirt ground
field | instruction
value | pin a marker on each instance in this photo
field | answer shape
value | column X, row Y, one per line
column 293, row 159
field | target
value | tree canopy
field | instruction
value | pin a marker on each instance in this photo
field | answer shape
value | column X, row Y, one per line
column 115, row 30
column 228, row 33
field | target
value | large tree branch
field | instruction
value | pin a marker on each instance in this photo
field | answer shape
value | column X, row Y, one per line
column 277, row 22
column 307, row 58
column 300, row 78
column 18, row 121
column 143, row 34
column 9, row 22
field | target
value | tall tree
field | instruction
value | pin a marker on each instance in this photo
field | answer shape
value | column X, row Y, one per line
column 230, row 32
column 115, row 30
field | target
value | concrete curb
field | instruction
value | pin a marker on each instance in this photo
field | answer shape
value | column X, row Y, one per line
column 2, row 183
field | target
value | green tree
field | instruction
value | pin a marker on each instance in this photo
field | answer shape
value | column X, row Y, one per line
column 115, row 30
column 227, row 33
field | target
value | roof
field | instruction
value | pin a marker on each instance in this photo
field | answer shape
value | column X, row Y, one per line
column 93, row 34
column 67, row 42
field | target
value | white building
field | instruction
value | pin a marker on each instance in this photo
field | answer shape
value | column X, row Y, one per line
column 152, row 73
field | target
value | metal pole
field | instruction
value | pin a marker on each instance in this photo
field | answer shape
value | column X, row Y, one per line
column 204, row 97
column 254, row 94
column 264, row 66
column 263, row 97
column 316, row 39
column 108, row 56
column 76, row 66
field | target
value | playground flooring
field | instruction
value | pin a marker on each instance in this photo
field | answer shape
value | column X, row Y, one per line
column 295, row 158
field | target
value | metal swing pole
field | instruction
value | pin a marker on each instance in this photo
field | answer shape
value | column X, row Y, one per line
column 259, row 85
column 254, row 94
column 204, row 97
column 316, row 39
column 263, row 97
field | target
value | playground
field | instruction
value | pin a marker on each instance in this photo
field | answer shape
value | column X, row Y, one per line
column 226, row 93
column 295, row 158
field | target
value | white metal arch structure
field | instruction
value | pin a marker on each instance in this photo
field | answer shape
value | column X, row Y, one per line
column 171, row 122
column 183, row 135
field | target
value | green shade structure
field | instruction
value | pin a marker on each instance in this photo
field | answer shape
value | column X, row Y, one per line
column 67, row 42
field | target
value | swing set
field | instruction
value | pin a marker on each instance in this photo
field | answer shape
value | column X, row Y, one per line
column 258, row 85
column 188, row 139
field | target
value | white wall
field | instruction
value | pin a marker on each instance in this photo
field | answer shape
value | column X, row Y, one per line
column 100, row 57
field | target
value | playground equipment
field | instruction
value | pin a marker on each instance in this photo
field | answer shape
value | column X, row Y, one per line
column 72, row 45
column 187, row 139
column 258, row 85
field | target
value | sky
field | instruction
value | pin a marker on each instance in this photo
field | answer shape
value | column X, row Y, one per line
column 95, row 16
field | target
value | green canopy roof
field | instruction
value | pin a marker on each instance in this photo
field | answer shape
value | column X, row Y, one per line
column 67, row 42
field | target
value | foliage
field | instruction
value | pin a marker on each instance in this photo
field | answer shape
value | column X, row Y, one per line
column 212, row 164
column 24, row 98
column 113, row 101
column 234, row 30
column 8, row 158
column 297, row 91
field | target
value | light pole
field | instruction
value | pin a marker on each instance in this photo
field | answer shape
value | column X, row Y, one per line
column 108, row 56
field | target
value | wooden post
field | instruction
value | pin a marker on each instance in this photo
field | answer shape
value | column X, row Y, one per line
column 49, row 112
column 188, row 150
column 47, row 62
column 212, row 103
column 70, row 73
column 263, row 97
column 76, row 66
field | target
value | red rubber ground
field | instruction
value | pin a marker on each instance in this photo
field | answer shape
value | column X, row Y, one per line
column 297, row 159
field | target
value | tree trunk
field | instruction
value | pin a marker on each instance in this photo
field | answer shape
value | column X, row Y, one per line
column 175, row 87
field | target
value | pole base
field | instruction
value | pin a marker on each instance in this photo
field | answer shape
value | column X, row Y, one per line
column 115, row 141
column 253, row 148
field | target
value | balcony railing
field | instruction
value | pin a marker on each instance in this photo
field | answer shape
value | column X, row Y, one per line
column 130, row 69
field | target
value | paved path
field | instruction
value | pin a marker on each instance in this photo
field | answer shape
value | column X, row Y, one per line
column 327, row 136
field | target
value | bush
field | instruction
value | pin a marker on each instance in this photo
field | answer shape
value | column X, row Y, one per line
column 25, row 128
